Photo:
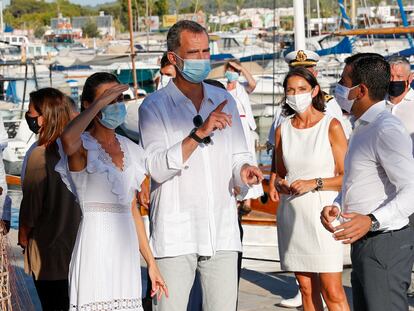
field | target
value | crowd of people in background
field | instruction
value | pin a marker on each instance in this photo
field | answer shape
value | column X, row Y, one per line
column 342, row 172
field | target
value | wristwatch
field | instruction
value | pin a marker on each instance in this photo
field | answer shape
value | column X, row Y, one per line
column 374, row 223
column 194, row 136
column 319, row 184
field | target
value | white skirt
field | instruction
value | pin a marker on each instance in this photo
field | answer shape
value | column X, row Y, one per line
column 105, row 271
column 304, row 244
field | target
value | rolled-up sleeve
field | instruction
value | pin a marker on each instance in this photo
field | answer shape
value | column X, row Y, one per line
column 34, row 186
column 162, row 162
column 241, row 154
column 394, row 152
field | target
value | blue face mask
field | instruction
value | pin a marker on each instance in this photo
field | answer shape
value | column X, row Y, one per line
column 231, row 76
column 195, row 70
column 113, row 115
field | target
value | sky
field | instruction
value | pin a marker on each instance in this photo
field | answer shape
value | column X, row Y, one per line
column 90, row 2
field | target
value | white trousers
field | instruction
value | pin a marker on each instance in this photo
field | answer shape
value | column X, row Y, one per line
column 218, row 278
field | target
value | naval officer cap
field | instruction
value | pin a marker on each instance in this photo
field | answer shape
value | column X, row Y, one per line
column 302, row 58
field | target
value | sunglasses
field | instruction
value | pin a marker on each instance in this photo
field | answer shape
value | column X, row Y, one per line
column 198, row 121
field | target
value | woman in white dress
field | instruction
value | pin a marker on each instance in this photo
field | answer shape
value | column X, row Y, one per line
column 104, row 170
column 240, row 93
column 307, row 171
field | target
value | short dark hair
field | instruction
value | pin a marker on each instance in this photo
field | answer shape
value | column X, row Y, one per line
column 174, row 34
column 164, row 61
column 318, row 102
column 373, row 71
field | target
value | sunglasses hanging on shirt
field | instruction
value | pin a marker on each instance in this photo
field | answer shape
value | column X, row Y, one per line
column 198, row 122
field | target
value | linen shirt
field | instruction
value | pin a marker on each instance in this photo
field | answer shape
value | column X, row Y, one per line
column 193, row 208
column 379, row 169
column 404, row 111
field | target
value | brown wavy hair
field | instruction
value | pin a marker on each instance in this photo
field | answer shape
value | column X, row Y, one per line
column 55, row 109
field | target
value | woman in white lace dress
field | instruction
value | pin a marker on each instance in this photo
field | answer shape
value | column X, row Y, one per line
column 105, row 170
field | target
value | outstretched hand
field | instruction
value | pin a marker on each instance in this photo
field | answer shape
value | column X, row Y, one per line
column 251, row 175
column 216, row 120
column 158, row 286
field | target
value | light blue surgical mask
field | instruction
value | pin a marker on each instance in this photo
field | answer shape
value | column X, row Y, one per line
column 195, row 70
column 231, row 76
column 113, row 115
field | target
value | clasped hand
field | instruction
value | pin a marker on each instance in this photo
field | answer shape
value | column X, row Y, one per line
column 356, row 226
column 298, row 187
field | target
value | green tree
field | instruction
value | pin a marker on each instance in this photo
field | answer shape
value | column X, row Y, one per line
column 160, row 7
column 39, row 32
column 177, row 6
column 90, row 30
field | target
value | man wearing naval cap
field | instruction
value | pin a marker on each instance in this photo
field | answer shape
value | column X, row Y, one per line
column 307, row 59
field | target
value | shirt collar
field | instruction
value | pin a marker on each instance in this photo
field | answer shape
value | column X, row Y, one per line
column 371, row 114
column 178, row 97
column 409, row 96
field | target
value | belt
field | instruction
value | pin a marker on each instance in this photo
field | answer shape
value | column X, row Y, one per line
column 372, row 234
column 242, row 116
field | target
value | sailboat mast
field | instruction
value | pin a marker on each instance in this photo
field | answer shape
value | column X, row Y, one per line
column 299, row 17
column 131, row 42
column 405, row 22
column 353, row 12
column 318, row 12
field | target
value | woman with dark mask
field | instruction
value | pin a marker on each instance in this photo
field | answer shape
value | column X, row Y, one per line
column 105, row 171
column 49, row 215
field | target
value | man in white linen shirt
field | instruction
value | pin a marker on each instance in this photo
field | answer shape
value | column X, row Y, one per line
column 400, row 93
column 197, row 155
column 401, row 100
column 378, row 190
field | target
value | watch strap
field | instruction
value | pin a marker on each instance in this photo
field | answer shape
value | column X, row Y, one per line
column 194, row 136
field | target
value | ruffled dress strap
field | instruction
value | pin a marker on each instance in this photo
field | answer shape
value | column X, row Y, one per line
column 135, row 158
column 62, row 167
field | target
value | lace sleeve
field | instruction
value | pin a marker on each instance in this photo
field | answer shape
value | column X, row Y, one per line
column 62, row 168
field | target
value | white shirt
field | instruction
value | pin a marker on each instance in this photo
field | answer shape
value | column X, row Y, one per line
column 193, row 208
column 404, row 111
column 244, row 107
column 379, row 169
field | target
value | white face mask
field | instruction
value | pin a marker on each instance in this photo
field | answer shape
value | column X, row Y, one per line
column 299, row 102
column 341, row 96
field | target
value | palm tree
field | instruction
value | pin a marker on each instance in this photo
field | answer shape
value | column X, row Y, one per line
column 219, row 4
column 239, row 6
column 177, row 4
